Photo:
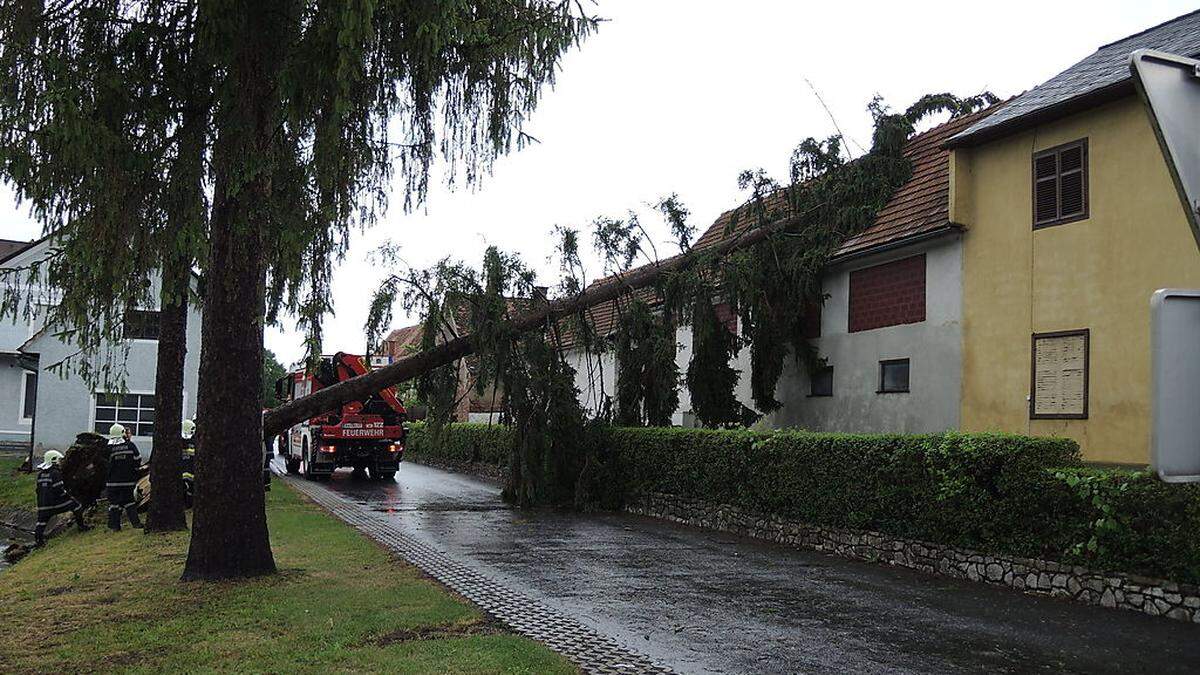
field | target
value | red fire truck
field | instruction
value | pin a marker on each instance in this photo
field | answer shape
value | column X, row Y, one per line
column 366, row 435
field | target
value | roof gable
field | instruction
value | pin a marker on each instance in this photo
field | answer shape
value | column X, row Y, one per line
column 1102, row 76
column 11, row 247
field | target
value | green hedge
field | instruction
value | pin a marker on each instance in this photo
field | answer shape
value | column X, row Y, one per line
column 460, row 444
column 1131, row 521
column 997, row 493
column 983, row 491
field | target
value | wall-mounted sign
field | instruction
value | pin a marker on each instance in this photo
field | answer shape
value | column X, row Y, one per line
column 1175, row 384
column 1059, row 387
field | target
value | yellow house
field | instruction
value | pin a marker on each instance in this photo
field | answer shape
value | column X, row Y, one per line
column 1071, row 223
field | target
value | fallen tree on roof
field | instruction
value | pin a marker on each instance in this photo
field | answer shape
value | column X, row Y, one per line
column 827, row 201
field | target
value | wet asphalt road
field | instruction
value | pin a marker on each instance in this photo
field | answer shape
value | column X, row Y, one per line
column 700, row 601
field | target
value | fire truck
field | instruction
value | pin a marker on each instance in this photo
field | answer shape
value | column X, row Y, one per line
column 365, row 435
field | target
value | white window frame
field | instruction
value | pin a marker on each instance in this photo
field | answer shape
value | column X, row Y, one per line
column 92, row 410
column 22, row 419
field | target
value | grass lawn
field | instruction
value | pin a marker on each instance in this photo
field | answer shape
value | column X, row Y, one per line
column 16, row 488
column 101, row 601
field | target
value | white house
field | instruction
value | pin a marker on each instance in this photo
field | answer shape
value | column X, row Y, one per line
column 43, row 410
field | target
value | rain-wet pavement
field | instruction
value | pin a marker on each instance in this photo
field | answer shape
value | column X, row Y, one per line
column 701, row 601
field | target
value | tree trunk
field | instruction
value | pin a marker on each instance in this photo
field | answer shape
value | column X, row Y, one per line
column 166, row 500
column 229, row 523
column 358, row 388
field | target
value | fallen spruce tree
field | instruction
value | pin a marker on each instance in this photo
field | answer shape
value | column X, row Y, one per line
column 768, row 267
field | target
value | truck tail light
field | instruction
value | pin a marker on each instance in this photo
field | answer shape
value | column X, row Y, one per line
column 329, row 449
column 395, row 447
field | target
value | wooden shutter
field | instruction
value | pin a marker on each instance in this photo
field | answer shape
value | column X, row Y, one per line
column 1060, row 184
column 1045, row 191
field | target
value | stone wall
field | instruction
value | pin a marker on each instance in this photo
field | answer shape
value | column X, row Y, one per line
column 1156, row 597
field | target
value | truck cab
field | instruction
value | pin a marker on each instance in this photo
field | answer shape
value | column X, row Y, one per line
column 367, row 436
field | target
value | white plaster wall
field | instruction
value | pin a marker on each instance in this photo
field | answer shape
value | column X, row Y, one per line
column 66, row 407
column 595, row 378
column 12, row 427
column 934, row 348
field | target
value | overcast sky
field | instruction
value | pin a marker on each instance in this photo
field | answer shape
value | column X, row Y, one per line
column 679, row 96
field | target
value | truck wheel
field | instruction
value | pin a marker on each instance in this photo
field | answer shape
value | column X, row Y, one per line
column 306, row 464
column 292, row 464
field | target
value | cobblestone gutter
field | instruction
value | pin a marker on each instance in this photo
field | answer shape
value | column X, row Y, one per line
column 1037, row 577
column 591, row 651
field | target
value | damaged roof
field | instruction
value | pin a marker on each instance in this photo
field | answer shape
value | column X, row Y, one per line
column 920, row 209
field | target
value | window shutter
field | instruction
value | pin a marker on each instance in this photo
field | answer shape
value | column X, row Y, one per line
column 1046, row 194
column 1071, row 167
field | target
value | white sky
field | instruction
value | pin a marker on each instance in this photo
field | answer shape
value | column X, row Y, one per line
column 681, row 95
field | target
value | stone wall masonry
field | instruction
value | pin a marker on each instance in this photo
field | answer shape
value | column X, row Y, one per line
column 1156, row 597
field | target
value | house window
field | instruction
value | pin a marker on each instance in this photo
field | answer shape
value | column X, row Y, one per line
column 1060, row 184
column 141, row 324
column 134, row 411
column 893, row 376
column 1059, row 375
column 890, row 294
column 821, row 382
column 29, row 396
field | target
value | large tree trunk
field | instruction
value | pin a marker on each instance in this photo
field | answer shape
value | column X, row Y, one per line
column 166, row 500
column 229, row 523
column 358, row 388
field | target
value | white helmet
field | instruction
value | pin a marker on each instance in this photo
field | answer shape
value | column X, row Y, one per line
column 189, row 429
column 51, row 458
column 116, row 432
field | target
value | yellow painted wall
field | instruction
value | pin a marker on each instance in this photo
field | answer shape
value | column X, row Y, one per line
column 1096, row 273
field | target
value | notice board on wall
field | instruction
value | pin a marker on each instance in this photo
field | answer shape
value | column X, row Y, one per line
column 1059, row 388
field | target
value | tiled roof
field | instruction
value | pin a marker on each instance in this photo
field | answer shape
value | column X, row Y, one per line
column 11, row 247
column 403, row 341
column 1101, row 76
column 920, row 208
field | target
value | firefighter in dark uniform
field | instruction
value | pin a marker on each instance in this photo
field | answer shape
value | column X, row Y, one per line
column 52, row 497
column 123, row 463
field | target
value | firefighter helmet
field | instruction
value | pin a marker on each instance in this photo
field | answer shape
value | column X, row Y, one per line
column 116, row 432
column 51, row 458
column 189, row 428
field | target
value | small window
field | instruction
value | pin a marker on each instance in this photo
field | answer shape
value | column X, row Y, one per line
column 134, row 411
column 29, row 402
column 141, row 324
column 821, row 382
column 893, row 376
column 1060, row 184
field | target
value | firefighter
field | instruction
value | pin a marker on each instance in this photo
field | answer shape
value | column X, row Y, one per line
column 52, row 497
column 123, row 463
column 187, row 464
